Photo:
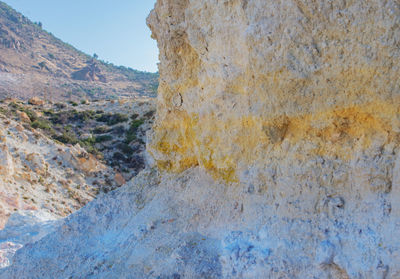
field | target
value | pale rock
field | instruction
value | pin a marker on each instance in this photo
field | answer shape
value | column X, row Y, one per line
column 23, row 228
column 6, row 161
column 36, row 162
column 7, row 251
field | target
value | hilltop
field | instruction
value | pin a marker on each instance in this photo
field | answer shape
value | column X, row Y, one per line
column 33, row 62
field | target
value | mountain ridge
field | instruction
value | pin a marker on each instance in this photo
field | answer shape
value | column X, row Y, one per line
column 35, row 62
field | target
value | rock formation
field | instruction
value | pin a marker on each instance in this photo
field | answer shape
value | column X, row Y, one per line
column 39, row 174
column 277, row 140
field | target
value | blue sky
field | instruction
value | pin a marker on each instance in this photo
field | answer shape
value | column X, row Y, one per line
column 115, row 30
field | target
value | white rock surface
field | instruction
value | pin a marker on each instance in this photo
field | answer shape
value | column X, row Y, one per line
column 23, row 228
column 37, row 173
column 189, row 226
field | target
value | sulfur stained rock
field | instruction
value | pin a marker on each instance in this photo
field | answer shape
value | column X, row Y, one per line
column 270, row 70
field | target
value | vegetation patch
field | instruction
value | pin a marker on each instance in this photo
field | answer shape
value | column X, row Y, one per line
column 125, row 148
column 101, row 130
column 103, row 138
column 43, row 124
column 112, row 119
column 133, row 129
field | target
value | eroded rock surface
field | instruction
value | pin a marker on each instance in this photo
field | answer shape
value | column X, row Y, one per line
column 277, row 136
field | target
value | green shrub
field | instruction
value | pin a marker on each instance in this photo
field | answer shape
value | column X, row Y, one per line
column 88, row 144
column 48, row 112
column 149, row 114
column 119, row 156
column 103, row 138
column 118, row 130
column 125, row 148
column 112, row 119
column 101, row 130
column 66, row 138
column 131, row 133
column 134, row 116
column 135, row 124
column 41, row 124
column 60, row 106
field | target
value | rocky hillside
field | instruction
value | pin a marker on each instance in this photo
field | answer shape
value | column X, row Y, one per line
column 276, row 151
column 55, row 158
column 113, row 132
column 39, row 174
column 35, row 63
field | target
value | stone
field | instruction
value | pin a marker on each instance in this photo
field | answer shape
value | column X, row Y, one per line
column 24, row 117
column 36, row 101
column 78, row 158
column 6, row 161
column 7, row 251
column 119, row 179
column 36, row 162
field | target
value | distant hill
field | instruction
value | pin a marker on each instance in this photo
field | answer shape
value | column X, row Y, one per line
column 33, row 62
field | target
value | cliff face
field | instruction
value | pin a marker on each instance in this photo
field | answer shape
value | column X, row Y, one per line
column 277, row 136
column 294, row 101
column 244, row 82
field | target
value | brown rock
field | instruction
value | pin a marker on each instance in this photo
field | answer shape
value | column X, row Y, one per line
column 6, row 161
column 19, row 128
column 36, row 101
column 24, row 117
column 119, row 179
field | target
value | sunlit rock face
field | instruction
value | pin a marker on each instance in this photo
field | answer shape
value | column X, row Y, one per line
column 297, row 102
column 244, row 82
column 277, row 140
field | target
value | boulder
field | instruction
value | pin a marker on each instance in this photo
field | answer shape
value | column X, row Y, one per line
column 24, row 117
column 119, row 179
column 36, row 101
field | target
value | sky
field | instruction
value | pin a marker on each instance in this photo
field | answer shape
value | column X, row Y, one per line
column 115, row 30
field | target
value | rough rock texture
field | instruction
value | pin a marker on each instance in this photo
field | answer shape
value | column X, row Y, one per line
column 307, row 77
column 277, row 134
column 23, row 228
column 37, row 173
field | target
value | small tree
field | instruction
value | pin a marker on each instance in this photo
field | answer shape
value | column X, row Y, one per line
column 95, row 56
column 42, row 65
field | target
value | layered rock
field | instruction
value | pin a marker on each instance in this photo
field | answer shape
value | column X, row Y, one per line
column 277, row 136
column 281, row 73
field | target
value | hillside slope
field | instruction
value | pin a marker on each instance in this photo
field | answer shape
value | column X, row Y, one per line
column 35, row 63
